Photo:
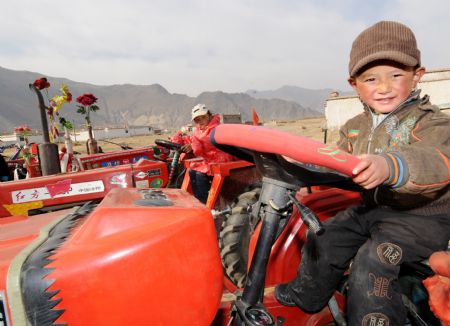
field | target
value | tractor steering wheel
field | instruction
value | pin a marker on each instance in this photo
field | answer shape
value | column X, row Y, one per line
column 321, row 164
column 168, row 144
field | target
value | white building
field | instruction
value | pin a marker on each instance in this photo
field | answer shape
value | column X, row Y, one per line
column 83, row 135
column 436, row 83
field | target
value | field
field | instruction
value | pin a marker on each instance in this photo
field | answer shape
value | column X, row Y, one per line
column 311, row 128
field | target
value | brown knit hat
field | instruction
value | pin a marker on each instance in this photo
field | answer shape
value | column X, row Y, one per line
column 386, row 40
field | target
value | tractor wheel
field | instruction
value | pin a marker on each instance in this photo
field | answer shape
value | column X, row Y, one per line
column 235, row 234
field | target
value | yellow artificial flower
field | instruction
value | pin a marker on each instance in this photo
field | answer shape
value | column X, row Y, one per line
column 57, row 102
column 65, row 90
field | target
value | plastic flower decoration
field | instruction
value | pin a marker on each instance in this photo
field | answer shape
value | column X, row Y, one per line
column 23, row 131
column 41, row 83
column 55, row 104
column 86, row 105
column 57, row 101
column 26, row 154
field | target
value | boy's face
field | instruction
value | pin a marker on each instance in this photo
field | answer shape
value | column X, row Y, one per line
column 202, row 121
column 384, row 85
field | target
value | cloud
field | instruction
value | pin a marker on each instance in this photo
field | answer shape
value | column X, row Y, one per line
column 194, row 46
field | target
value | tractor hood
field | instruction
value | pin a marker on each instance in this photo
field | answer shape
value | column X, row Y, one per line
column 141, row 257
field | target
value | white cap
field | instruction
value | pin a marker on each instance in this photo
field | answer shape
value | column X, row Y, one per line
column 198, row 110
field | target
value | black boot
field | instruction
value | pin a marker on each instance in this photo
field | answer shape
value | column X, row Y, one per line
column 283, row 296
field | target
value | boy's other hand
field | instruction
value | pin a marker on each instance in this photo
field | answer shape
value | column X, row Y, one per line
column 187, row 148
column 371, row 171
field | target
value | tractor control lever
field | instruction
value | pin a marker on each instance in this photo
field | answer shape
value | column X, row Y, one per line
column 308, row 216
column 224, row 212
column 278, row 209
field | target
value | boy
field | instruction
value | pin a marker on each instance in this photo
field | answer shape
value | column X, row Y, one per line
column 199, row 144
column 403, row 143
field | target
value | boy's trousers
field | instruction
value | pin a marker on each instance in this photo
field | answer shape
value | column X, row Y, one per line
column 200, row 183
column 378, row 240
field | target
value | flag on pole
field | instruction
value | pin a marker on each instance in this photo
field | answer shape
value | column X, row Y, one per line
column 255, row 117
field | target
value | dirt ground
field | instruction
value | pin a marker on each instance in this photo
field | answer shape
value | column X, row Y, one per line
column 312, row 128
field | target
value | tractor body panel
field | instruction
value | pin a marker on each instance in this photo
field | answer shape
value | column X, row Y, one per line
column 229, row 179
column 20, row 196
column 142, row 257
column 116, row 158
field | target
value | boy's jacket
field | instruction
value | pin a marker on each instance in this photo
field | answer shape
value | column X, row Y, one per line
column 418, row 135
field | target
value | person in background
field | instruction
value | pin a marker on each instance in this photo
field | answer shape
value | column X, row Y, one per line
column 5, row 174
column 403, row 142
column 200, row 146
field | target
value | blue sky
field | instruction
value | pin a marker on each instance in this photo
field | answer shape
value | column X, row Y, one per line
column 193, row 46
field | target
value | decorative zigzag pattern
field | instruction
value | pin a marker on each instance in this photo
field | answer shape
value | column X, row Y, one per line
column 37, row 300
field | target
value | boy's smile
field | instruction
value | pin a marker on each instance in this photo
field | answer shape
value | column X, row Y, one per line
column 384, row 85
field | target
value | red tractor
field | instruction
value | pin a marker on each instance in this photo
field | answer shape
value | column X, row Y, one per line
column 231, row 180
column 150, row 256
column 63, row 190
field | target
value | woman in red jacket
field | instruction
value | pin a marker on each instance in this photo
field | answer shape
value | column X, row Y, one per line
column 198, row 143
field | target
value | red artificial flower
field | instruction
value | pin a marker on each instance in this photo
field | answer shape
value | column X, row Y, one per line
column 86, row 99
column 41, row 83
column 22, row 130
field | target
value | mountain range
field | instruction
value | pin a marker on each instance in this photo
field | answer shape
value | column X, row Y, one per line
column 149, row 105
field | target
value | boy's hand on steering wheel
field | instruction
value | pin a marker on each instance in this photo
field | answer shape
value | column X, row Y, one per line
column 371, row 171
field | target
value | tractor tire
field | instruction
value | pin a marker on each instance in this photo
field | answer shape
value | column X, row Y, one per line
column 234, row 237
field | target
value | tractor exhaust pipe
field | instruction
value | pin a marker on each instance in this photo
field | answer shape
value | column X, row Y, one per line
column 48, row 152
